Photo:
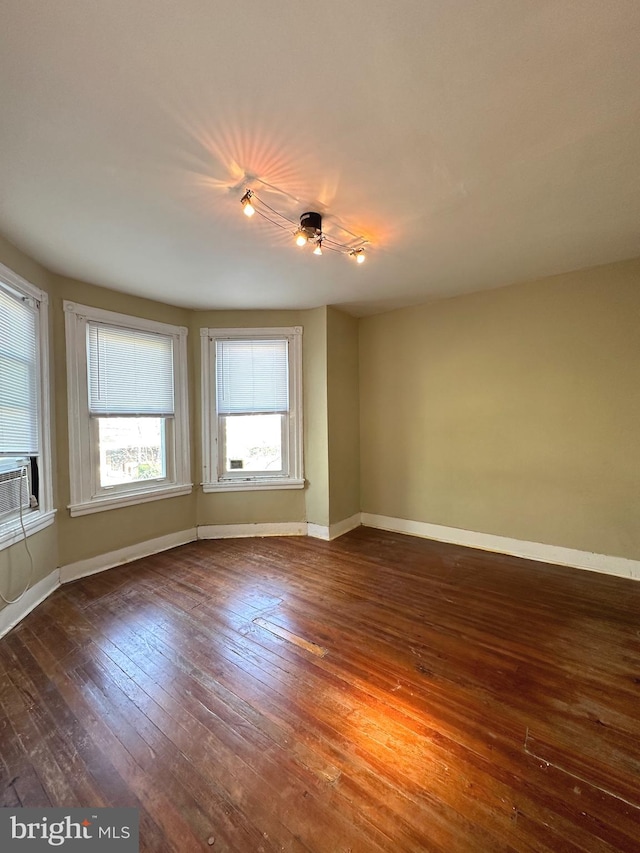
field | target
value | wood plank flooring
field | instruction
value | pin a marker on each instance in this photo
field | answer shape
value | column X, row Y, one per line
column 375, row 693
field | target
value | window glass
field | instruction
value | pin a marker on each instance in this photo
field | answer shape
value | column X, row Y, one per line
column 131, row 450
column 253, row 443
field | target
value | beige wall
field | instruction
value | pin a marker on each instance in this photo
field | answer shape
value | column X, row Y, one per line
column 343, row 415
column 513, row 412
column 15, row 569
column 316, row 426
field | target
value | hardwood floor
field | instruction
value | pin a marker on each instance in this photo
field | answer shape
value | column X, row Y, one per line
column 375, row 693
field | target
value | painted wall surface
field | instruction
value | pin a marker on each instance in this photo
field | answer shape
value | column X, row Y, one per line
column 243, row 507
column 343, row 415
column 90, row 535
column 316, row 426
column 514, row 412
column 15, row 568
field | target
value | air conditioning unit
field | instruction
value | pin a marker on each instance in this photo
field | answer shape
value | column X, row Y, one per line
column 15, row 485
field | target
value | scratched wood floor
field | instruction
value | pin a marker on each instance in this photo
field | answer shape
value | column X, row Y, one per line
column 376, row 693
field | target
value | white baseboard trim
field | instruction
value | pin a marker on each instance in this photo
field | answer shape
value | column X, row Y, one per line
column 344, row 526
column 11, row 614
column 318, row 531
column 283, row 528
column 555, row 554
column 243, row 531
column 93, row 565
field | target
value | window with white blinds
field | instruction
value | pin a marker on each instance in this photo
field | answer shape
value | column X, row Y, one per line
column 252, row 376
column 252, row 433
column 18, row 374
column 130, row 372
column 128, row 409
column 26, row 498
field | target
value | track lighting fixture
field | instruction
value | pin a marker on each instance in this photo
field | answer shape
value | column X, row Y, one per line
column 308, row 230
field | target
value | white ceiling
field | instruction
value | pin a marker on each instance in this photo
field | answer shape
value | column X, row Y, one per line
column 474, row 144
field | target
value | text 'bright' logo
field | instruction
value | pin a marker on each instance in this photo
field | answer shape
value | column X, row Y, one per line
column 54, row 832
column 109, row 829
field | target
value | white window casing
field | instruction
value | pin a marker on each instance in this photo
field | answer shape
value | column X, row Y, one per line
column 25, row 419
column 274, row 386
column 123, row 366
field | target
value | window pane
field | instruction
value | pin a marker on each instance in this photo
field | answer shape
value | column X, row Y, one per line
column 253, row 443
column 131, row 450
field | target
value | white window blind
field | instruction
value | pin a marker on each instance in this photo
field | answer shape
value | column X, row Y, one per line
column 18, row 374
column 252, row 376
column 130, row 372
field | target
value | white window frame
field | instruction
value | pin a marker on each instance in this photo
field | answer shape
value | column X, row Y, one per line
column 86, row 496
column 43, row 516
column 213, row 478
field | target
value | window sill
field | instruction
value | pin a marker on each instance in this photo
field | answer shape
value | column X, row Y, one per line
column 34, row 522
column 252, row 485
column 127, row 499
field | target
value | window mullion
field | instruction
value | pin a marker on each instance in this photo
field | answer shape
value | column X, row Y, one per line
column 221, row 445
column 92, row 472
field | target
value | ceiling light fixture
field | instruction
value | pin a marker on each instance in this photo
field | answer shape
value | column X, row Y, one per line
column 308, row 230
column 311, row 224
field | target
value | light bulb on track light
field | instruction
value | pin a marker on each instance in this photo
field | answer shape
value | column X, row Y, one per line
column 247, row 206
column 359, row 255
column 318, row 248
column 301, row 238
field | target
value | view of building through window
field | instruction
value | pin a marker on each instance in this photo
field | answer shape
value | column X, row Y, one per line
column 253, row 442
column 131, row 449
